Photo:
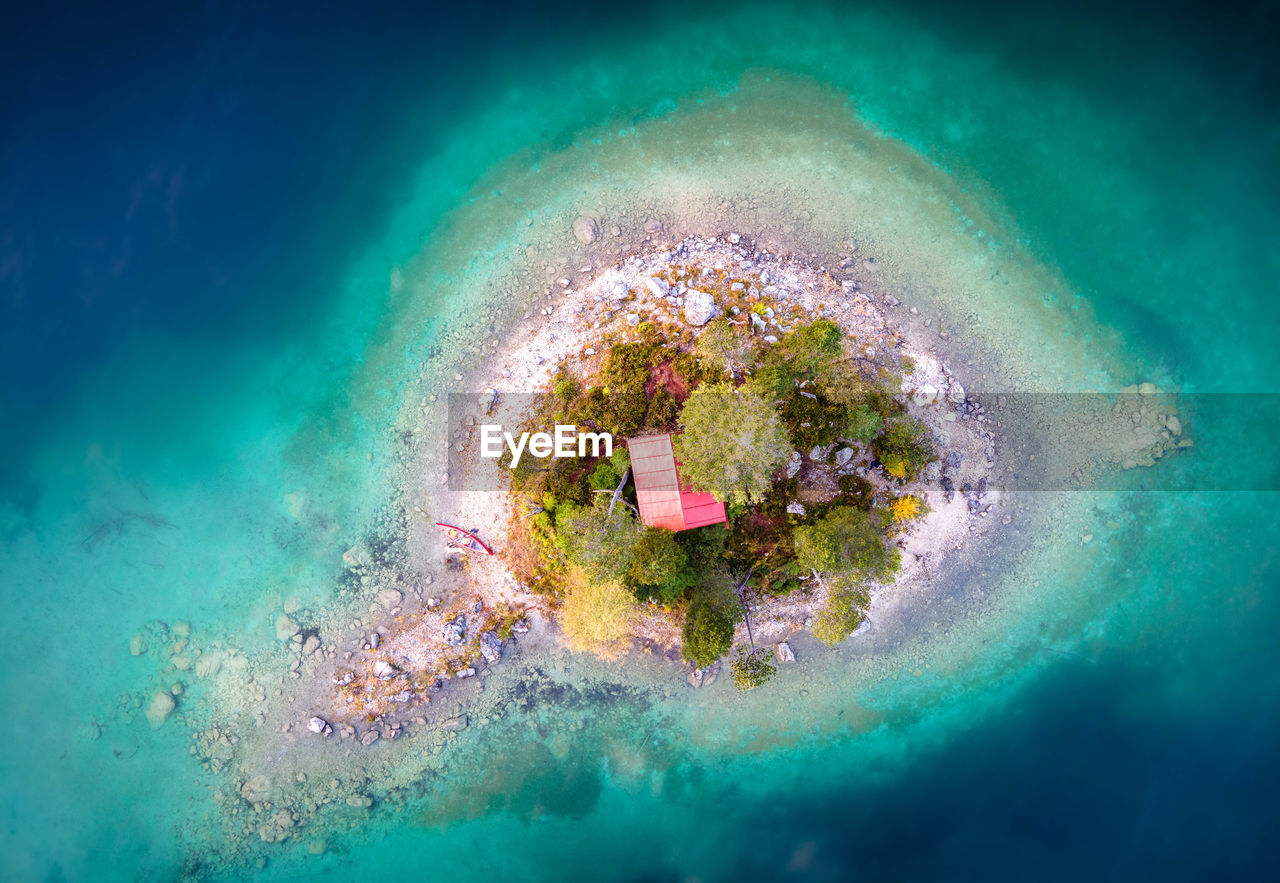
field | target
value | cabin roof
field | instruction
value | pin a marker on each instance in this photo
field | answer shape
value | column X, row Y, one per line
column 664, row 501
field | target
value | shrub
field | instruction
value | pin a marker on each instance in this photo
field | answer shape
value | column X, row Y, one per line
column 844, row 611
column 663, row 409
column 906, row 508
column 844, row 542
column 603, row 477
column 732, row 443
column 566, row 387
column 624, row 412
column 721, row 346
column 704, row 546
column 688, row 368
column 771, row 380
column 904, row 448
column 811, row 346
column 810, row 419
column 863, row 424
column 627, row 366
column 858, row 491
column 708, row 633
column 597, row 616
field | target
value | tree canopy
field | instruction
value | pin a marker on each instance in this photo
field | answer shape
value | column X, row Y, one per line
column 845, row 542
column 733, row 442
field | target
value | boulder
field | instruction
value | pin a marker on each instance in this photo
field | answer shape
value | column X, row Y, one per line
column 389, row 598
column 699, row 307
column 310, row 645
column 286, row 628
column 843, row 456
column 161, row 707
column 320, row 726
column 795, row 507
column 955, row 393
column 138, row 645
column 369, row 737
column 454, row 631
column 794, row 464
column 455, row 723
column 254, row 789
column 585, row 229
column 784, row 652
column 520, row 626
column 925, row 395
column 359, row 801
column 384, row 671
column 657, row 287
column 490, row 646
column 467, row 672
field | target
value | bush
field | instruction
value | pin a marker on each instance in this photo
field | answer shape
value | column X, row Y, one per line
column 624, row 412
column 844, row 542
column 708, row 633
column 844, row 611
column 904, row 448
column 603, row 477
column 732, row 443
column 863, row 424
column 663, row 410
column 811, row 346
column 721, row 346
column 907, row 508
column 659, row 567
column 597, row 616
column 704, row 546
column 627, row 367
column 810, row 419
column 566, row 387
column 771, row 380
column 858, row 491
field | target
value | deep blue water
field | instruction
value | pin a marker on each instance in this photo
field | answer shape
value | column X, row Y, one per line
column 206, row 175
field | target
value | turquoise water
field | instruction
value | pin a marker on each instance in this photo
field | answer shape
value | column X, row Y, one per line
column 1101, row 709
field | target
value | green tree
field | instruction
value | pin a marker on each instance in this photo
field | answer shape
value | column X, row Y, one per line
column 733, row 442
column 599, row 543
column 708, row 633
column 904, row 448
column 812, row 346
column 658, row 567
column 863, row 424
column 845, row 542
column 752, row 669
column 844, row 611
column 721, row 345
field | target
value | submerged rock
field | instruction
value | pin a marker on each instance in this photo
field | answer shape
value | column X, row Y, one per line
column 286, row 628
column 784, row 652
column 455, row 723
column 161, row 707
column 585, row 229
column 138, row 645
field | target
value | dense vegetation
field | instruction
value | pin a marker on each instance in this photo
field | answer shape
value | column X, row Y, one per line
column 760, row 425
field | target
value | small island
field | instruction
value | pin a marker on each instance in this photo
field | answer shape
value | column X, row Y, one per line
column 838, row 456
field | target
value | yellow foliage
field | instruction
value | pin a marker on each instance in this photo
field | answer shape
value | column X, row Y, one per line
column 906, row 508
column 895, row 466
column 596, row 616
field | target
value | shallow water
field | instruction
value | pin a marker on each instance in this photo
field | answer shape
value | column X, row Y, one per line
column 196, row 338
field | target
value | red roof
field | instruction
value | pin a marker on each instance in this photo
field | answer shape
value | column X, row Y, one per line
column 664, row 502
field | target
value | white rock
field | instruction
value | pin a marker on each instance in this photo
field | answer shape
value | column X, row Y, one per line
column 955, row 393
column 844, row 455
column 699, row 307
column 925, row 395
column 657, row 287
column 785, row 653
column 795, row 508
column 793, row 465
column 384, row 671
column 320, row 726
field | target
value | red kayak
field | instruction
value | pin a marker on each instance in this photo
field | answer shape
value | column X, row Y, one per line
column 464, row 538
